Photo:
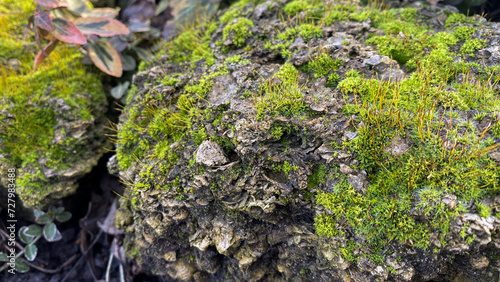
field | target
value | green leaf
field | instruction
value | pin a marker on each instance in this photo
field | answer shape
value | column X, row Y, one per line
column 67, row 31
column 37, row 213
column 162, row 6
column 3, row 257
column 21, row 266
column 44, row 219
column 105, row 57
column 63, row 217
column 30, row 252
column 51, row 233
column 33, row 230
column 118, row 91
column 143, row 54
column 128, row 62
column 59, row 210
column 102, row 26
column 25, row 238
column 52, row 4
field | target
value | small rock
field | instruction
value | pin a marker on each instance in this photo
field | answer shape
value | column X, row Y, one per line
column 170, row 256
column 450, row 200
column 479, row 262
column 495, row 156
column 373, row 60
column 359, row 182
column 397, row 147
column 210, row 154
column 346, row 169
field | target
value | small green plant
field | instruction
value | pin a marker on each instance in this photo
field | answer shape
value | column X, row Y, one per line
column 74, row 29
column 282, row 94
column 31, row 234
column 483, row 210
column 240, row 31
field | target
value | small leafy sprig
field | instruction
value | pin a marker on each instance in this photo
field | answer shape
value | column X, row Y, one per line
column 31, row 234
column 56, row 21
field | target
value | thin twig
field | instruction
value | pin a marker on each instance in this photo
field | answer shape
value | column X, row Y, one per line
column 53, row 271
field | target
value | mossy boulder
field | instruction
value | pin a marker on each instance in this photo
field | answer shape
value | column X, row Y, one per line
column 318, row 142
column 52, row 119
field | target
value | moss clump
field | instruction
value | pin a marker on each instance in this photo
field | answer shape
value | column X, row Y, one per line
column 192, row 45
column 240, row 30
column 236, row 10
column 170, row 80
column 307, row 31
column 296, row 7
column 472, row 45
column 281, row 94
column 29, row 104
column 337, row 13
column 409, row 15
column 318, row 176
column 483, row 210
column 360, row 17
column 464, row 32
column 457, row 18
column 324, row 65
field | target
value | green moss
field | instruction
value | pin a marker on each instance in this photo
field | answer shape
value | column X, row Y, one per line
column 318, row 176
column 28, row 99
column 324, row 65
column 457, row 18
column 296, row 7
column 409, row 15
column 281, row 94
column 192, row 45
column 169, row 80
column 326, row 225
column 206, row 83
column 464, row 32
column 240, row 31
column 335, row 15
column 236, row 10
column 360, row 17
column 483, row 210
column 309, row 31
column 472, row 45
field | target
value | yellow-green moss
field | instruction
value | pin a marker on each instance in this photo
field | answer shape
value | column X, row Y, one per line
column 296, row 7
column 472, row 45
column 240, row 31
column 283, row 97
column 30, row 99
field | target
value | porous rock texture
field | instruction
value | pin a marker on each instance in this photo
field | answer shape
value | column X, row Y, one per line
column 237, row 200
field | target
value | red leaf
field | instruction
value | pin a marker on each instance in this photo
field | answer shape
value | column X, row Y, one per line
column 102, row 26
column 106, row 58
column 40, row 56
column 67, row 31
column 51, row 3
column 43, row 20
